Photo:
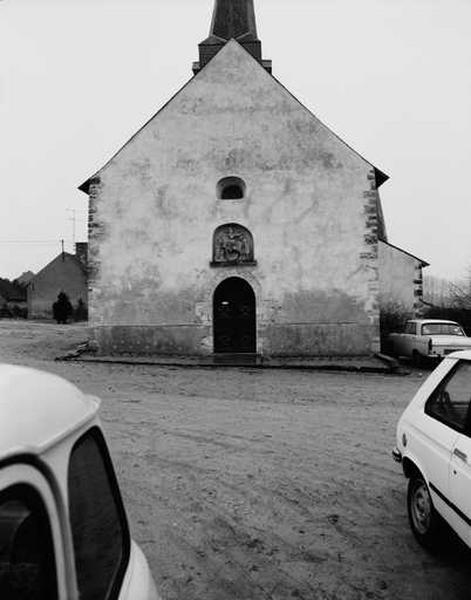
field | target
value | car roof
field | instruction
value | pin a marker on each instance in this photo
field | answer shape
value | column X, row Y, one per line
column 424, row 321
column 38, row 409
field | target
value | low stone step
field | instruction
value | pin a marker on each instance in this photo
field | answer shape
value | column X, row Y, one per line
column 237, row 358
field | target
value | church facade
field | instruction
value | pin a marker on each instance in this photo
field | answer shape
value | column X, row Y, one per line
column 234, row 221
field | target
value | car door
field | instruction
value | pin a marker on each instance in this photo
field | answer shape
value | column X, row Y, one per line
column 401, row 340
column 408, row 339
column 460, row 480
column 450, row 405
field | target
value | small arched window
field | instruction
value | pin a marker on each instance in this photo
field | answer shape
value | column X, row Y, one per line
column 231, row 188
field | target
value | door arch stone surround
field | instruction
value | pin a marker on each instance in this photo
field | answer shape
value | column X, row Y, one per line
column 204, row 308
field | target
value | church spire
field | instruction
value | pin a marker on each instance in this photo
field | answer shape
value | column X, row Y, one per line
column 231, row 19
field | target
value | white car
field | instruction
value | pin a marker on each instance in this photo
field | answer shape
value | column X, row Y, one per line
column 434, row 445
column 63, row 529
column 428, row 338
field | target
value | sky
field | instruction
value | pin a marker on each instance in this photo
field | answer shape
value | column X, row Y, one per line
column 392, row 78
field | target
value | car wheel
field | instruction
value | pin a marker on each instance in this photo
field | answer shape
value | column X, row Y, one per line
column 423, row 517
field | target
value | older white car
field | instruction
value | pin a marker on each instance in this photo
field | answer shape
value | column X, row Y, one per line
column 434, row 446
column 63, row 529
column 428, row 338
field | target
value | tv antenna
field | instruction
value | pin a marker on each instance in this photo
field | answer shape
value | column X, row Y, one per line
column 73, row 219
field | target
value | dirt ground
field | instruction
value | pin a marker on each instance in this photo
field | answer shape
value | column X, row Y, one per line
column 246, row 484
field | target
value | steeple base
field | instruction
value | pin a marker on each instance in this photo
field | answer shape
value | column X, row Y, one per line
column 196, row 67
column 232, row 19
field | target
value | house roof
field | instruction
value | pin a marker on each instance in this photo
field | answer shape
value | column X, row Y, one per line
column 380, row 176
column 70, row 257
column 423, row 262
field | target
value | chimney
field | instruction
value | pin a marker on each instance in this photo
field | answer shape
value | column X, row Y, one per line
column 81, row 252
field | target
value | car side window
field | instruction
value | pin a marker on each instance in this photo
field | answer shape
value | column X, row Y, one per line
column 410, row 328
column 27, row 562
column 99, row 526
column 450, row 402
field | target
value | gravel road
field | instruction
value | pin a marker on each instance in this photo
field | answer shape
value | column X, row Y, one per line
column 247, row 484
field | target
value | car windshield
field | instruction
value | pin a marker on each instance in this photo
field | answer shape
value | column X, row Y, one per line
column 442, row 329
column 99, row 526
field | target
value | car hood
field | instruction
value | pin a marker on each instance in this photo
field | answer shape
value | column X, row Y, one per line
column 457, row 341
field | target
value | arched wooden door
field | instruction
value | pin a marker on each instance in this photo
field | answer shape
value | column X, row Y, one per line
column 234, row 316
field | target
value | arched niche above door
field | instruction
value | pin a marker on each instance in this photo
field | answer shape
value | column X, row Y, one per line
column 232, row 245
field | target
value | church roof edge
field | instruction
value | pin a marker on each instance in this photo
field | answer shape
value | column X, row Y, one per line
column 380, row 176
column 85, row 186
column 423, row 262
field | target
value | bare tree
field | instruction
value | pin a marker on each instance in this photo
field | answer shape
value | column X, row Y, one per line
column 460, row 292
column 437, row 291
column 448, row 299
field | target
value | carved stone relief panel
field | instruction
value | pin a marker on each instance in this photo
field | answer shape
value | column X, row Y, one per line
column 232, row 245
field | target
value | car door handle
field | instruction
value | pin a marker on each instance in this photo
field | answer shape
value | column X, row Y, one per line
column 457, row 452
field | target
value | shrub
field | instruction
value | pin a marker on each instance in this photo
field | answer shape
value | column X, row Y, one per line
column 62, row 308
column 392, row 319
column 19, row 312
column 81, row 311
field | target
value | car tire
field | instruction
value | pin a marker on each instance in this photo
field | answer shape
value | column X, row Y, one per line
column 423, row 518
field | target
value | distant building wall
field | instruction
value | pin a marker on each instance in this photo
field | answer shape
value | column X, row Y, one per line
column 64, row 274
column 400, row 285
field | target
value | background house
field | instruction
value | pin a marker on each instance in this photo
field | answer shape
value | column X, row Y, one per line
column 24, row 278
column 12, row 299
column 65, row 273
column 400, row 287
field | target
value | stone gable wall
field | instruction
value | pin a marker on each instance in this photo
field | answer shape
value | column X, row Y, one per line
column 309, row 205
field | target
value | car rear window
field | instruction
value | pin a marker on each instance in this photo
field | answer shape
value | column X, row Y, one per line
column 450, row 402
column 99, row 527
column 27, row 563
column 442, row 329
